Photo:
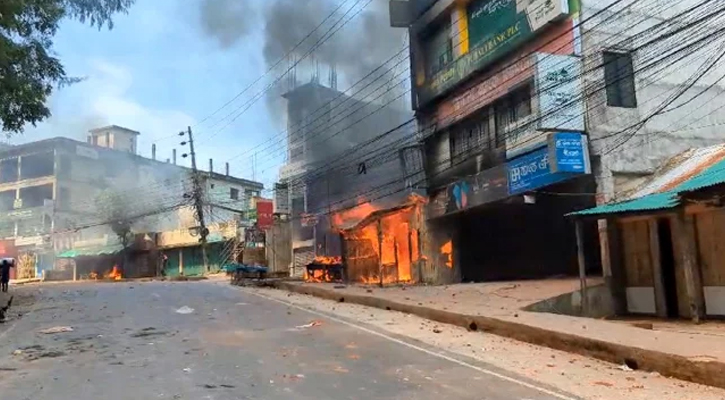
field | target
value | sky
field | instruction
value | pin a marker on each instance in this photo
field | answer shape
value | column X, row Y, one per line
column 157, row 73
column 170, row 64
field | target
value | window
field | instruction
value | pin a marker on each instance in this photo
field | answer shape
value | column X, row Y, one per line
column 9, row 170
column 619, row 80
column 470, row 137
column 234, row 194
column 438, row 48
column 511, row 109
column 37, row 165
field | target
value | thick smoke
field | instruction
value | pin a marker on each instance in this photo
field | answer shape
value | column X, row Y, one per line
column 227, row 21
column 356, row 49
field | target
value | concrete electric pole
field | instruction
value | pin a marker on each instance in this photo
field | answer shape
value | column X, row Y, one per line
column 197, row 197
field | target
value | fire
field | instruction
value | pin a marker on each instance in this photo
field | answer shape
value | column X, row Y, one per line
column 353, row 215
column 327, row 260
column 115, row 274
column 447, row 250
column 93, row 275
column 391, row 241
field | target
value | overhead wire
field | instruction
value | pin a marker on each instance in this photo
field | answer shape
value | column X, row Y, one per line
column 306, row 176
column 526, row 55
column 408, row 177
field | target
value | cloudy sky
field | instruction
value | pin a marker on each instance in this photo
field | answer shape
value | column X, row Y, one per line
column 170, row 64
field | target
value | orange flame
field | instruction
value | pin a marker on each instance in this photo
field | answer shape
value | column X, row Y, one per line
column 327, row 260
column 390, row 241
column 447, row 250
column 115, row 274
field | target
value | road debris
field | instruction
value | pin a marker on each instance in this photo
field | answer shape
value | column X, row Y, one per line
column 56, row 329
column 310, row 325
column 185, row 310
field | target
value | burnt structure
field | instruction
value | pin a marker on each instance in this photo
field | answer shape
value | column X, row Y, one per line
column 341, row 152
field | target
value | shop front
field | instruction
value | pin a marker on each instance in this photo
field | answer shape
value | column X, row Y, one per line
column 507, row 222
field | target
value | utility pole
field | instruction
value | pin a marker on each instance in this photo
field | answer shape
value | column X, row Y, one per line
column 197, row 197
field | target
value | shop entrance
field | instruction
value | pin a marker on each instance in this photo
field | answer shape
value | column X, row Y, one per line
column 512, row 240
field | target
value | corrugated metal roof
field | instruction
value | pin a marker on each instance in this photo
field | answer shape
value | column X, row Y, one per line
column 691, row 170
column 680, row 168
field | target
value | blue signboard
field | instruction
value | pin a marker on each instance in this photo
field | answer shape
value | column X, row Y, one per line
column 568, row 152
column 531, row 171
column 566, row 156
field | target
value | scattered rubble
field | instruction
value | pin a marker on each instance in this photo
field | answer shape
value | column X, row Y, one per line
column 185, row 310
column 56, row 329
column 310, row 325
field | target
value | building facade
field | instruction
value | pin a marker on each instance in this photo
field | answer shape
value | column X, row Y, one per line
column 49, row 193
column 503, row 158
column 531, row 109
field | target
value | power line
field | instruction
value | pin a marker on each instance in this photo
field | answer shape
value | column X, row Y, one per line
column 552, row 40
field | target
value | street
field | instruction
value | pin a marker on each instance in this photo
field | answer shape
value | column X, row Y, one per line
column 208, row 340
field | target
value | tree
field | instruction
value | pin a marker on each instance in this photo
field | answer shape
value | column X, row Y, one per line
column 29, row 72
column 113, row 209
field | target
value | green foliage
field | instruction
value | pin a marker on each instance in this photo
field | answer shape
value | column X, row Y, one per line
column 113, row 208
column 29, row 71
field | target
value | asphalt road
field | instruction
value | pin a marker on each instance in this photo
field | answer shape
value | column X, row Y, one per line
column 129, row 340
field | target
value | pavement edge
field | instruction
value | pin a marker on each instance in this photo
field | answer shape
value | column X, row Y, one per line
column 710, row 373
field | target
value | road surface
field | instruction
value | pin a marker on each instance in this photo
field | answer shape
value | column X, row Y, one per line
column 208, row 340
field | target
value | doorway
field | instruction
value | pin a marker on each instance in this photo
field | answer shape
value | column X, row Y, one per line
column 667, row 259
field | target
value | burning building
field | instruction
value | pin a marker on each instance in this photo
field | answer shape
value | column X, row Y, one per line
column 335, row 158
column 375, row 246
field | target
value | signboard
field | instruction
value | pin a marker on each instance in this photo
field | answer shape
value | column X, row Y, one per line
column 495, row 28
column 483, row 188
column 265, row 211
column 537, row 169
column 561, row 104
column 483, row 93
column 486, row 187
column 253, row 236
column 558, row 82
column 568, row 152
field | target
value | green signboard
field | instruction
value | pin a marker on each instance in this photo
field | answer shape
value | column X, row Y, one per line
column 495, row 28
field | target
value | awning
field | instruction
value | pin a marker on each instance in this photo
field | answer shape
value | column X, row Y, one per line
column 91, row 251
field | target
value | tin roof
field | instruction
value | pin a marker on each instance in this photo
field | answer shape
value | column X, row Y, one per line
column 688, row 171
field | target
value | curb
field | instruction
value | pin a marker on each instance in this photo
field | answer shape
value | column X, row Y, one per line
column 710, row 373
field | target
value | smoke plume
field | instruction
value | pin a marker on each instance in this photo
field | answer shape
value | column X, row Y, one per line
column 227, row 21
column 361, row 42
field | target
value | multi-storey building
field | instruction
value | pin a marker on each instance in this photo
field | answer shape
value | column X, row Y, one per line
column 513, row 96
column 49, row 191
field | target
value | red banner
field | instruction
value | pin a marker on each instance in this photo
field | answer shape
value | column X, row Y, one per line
column 265, row 211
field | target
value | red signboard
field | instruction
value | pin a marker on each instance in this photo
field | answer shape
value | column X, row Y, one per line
column 265, row 211
column 8, row 250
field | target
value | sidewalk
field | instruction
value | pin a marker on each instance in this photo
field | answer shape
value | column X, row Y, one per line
column 674, row 349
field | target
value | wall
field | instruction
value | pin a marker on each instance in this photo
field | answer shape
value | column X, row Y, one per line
column 696, row 124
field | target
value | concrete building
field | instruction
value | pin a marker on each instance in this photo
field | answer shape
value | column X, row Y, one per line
column 514, row 96
column 48, row 192
column 334, row 162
